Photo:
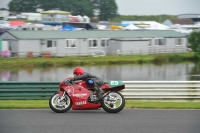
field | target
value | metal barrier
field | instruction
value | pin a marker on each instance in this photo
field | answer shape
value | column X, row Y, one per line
column 187, row 90
column 27, row 90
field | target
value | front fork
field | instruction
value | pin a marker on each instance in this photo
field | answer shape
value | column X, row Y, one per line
column 62, row 95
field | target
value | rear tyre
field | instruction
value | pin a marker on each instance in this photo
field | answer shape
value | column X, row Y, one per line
column 114, row 102
column 59, row 106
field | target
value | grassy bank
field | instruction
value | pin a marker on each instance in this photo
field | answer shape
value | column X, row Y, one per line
column 72, row 61
column 40, row 104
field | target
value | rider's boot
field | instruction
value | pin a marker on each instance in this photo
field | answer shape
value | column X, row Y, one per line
column 100, row 94
column 99, row 91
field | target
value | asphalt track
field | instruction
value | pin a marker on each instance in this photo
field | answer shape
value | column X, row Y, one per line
column 98, row 121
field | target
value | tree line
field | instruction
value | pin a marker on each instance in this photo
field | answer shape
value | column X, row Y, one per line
column 104, row 9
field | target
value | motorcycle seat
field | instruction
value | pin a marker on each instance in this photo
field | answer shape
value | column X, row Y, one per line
column 105, row 82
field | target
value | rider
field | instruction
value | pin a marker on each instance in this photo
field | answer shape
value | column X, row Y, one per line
column 80, row 74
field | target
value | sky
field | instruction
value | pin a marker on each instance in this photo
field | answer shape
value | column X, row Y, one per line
column 150, row 7
column 156, row 7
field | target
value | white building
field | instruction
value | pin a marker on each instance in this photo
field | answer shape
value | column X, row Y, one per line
column 79, row 43
column 32, row 16
column 4, row 14
column 194, row 17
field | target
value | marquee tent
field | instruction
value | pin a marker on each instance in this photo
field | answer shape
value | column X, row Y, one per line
column 17, row 23
column 155, row 26
column 68, row 27
column 131, row 27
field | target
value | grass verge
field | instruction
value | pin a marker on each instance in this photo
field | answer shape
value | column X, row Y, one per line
column 72, row 61
column 40, row 104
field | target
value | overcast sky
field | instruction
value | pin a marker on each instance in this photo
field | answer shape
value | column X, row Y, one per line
column 150, row 7
column 154, row 7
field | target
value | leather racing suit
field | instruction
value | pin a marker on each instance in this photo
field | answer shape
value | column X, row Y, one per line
column 97, row 81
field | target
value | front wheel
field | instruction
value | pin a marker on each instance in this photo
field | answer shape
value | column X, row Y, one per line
column 114, row 102
column 58, row 105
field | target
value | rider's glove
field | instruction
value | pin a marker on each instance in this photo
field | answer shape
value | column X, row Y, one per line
column 67, row 82
column 71, row 79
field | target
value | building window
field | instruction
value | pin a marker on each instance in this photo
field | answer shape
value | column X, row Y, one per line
column 160, row 42
column 93, row 43
column 150, row 43
column 104, row 43
column 55, row 43
column 108, row 41
column 70, row 43
column 178, row 41
column 49, row 44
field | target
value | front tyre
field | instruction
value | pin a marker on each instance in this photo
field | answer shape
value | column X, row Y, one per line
column 59, row 106
column 114, row 102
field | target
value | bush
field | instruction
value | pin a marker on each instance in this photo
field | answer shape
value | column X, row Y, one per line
column 160, row 59
column 194, row 40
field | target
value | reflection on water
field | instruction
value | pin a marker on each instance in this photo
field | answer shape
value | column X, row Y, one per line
column 150, row 72
column 5, row 76
column 195, row 72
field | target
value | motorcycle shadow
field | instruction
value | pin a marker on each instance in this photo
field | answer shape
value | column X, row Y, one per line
column 87, row 111
column 99, row 111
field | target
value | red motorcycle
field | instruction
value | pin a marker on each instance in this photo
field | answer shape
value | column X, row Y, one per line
column 78, row 95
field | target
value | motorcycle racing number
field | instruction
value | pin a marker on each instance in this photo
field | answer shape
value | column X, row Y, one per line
column 114, row 83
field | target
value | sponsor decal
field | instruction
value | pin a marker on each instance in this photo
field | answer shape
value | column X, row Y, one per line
column 79, row 95
column 81, row 87
column 70, row 90
column 80, row 103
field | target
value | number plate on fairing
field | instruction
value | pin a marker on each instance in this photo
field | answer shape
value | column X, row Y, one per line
column 115, row 83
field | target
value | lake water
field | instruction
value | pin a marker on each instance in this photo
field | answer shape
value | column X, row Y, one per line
column 147, row 72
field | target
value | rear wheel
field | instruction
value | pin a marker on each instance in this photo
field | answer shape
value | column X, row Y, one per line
column 114, row 102
column 58, row 105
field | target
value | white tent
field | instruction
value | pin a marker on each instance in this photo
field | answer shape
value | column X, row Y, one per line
column 39, row 25
column 184, row 31
column 131, row 27
column 155, row 26
column 4, row 24
column 101, row 27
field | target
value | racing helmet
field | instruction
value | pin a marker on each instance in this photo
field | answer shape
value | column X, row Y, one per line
column 78, row 71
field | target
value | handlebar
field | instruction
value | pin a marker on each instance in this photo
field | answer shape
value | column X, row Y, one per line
column 71, row 82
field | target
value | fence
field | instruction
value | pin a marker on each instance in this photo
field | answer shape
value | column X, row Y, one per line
column 93, row 53
column 150, row 51
column 27, row 90
column 166, row 90
column 172, row 90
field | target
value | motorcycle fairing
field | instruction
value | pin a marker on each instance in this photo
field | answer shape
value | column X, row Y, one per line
column 113, row 86
column 79, row 96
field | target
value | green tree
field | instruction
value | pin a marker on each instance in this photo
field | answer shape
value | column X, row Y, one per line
column 3, row 9
column 77, row 7
column 23, row 5
column 106, row 9
column 194, row 40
